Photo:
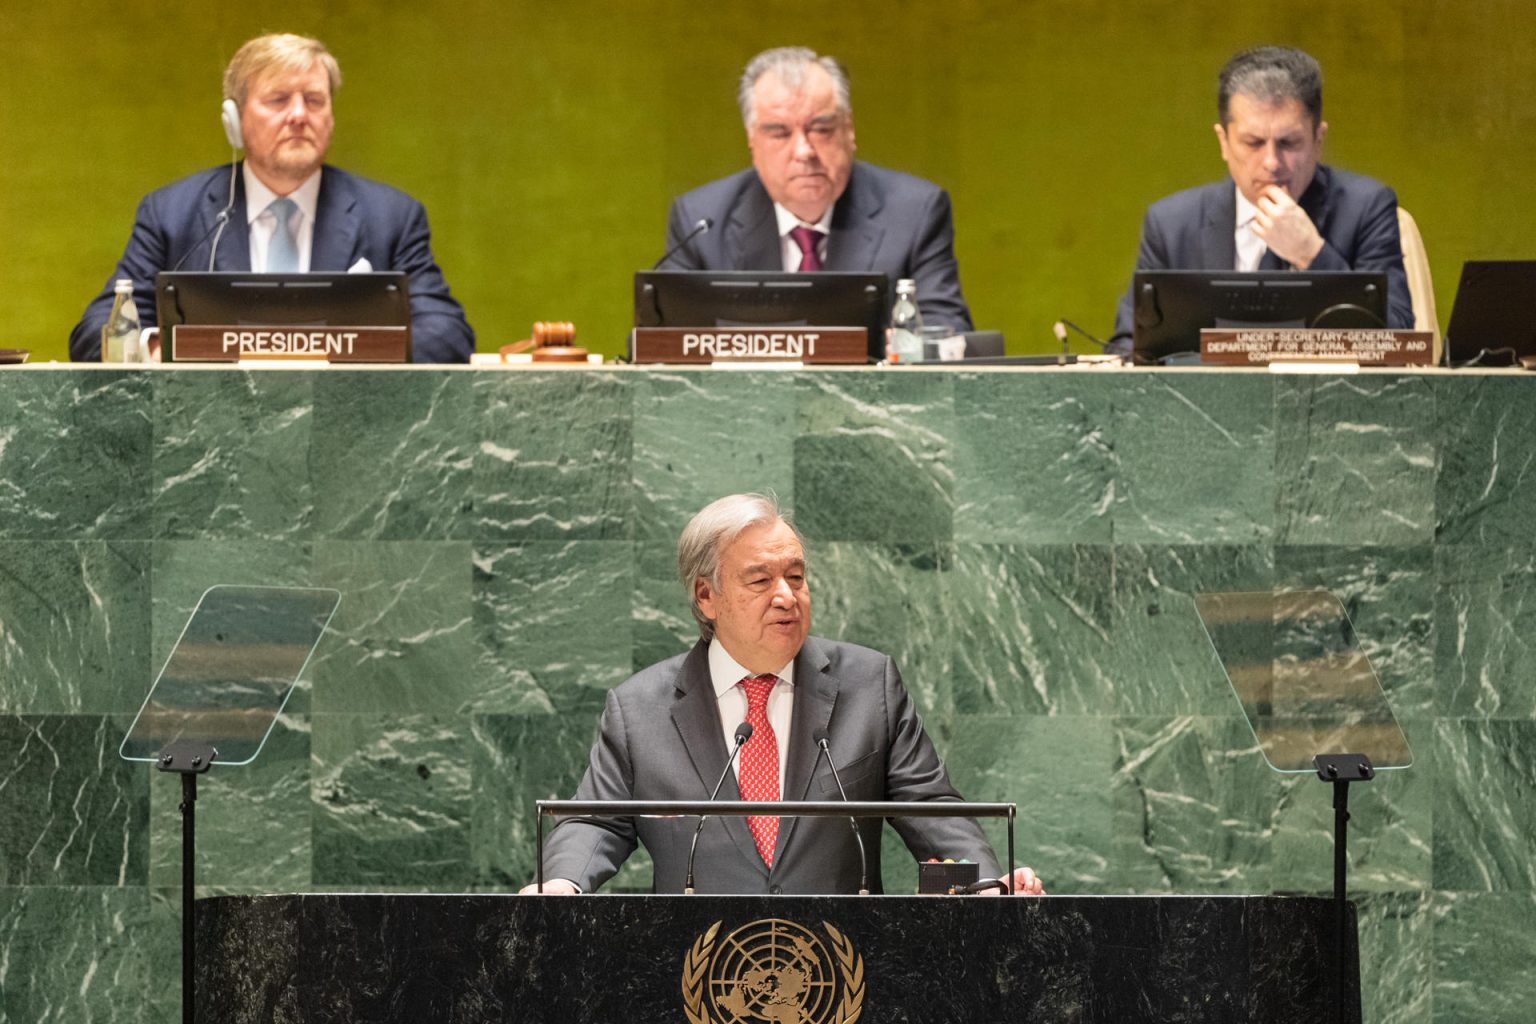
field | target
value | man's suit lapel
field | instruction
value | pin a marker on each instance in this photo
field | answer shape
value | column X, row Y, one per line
column 234, row 252
column 815, row 696
column 753, row 232
column 696, row 714
column 336, row 224
column 1315, row 201
column 1218, row 234
column 856, row 230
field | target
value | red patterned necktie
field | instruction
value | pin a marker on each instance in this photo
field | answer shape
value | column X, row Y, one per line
column 759, row 767
column 809, row 241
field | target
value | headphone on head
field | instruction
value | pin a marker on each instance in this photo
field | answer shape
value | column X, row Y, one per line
column 229, row 115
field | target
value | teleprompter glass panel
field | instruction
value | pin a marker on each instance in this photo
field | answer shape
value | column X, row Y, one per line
column 232, row 671
column 1304, row 684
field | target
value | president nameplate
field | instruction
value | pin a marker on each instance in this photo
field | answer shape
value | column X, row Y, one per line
column 203, row 343
column 811, row 345
column 1362, row 346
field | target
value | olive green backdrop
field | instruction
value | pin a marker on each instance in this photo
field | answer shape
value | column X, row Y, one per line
column 547, row 139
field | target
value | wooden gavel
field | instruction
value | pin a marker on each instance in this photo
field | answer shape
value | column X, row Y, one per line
column 551, row 343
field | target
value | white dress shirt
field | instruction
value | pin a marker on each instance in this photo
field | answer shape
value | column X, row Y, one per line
column 790, row 249
column 1250, row 247
column 725, row 672
column 263, row 225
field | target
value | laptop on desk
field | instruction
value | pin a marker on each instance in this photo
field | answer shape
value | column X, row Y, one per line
column 1493, row 320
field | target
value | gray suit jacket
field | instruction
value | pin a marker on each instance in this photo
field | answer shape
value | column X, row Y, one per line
column 354, row 218
column 1195, row 229
column 884, row 221
column 661, row 739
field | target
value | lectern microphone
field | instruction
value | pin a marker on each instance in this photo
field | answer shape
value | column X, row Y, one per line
column 702, row 225
column 820, row 736
column 743, row 733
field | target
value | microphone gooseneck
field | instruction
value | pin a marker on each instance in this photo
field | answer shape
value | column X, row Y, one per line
column 825, row 748
column 743, row 733
column 700, row 226
column 1060, row 330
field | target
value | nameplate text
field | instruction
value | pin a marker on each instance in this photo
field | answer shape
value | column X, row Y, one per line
column 1363, row 346
column 221, row 344
column 727, row 344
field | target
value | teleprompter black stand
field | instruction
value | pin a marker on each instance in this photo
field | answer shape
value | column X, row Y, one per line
column 1306, row 688
column 1341, row 770
column 216, row 701
column 189, row 759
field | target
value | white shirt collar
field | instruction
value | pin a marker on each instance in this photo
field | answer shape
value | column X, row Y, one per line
column 258, row 197
column 725, row 671
column 788, row 221
column 1250, row 248
column 1246, row 211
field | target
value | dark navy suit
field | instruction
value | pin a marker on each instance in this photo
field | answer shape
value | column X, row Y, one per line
column 354, row 219
column 884, row 221
column 1195, row 230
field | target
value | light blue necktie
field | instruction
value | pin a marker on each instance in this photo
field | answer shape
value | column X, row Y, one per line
column 283, row 253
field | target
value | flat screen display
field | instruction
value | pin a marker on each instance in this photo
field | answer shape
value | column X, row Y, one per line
column 280, row 300
column 1491, row 322
column 1170, row 307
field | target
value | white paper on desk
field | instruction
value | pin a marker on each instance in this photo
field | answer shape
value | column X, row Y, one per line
column 362, row 266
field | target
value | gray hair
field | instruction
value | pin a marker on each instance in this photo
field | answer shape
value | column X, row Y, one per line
column 789, row 64
column 711, row 532
column 1271, row 74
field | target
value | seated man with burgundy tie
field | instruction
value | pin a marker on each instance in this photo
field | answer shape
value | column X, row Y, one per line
column 285, row 210
column 807, row 204
column 667, row 734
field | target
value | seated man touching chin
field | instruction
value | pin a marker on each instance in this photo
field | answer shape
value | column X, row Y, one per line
column 1279, row 208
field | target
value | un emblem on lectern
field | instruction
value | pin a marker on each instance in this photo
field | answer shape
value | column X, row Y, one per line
column 773, row 970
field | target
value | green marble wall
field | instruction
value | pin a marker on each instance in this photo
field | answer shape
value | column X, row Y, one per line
column 1026, row 543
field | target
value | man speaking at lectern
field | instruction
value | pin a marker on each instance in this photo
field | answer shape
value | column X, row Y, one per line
column 667, row 734
column 284, row 210
column 807, row 204
column 1281, row 209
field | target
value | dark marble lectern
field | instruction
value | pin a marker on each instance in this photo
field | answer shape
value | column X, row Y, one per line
column 735, row 960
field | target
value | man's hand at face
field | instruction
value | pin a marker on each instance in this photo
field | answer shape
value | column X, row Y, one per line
column 1286, row 229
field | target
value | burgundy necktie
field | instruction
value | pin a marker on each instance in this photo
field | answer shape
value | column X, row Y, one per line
column 760, row 763
column 809, row 241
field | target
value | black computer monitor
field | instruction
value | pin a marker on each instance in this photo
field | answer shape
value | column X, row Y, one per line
column 1170, row 307
column 280, row 300
column 1491, row 319
column 761, row 298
